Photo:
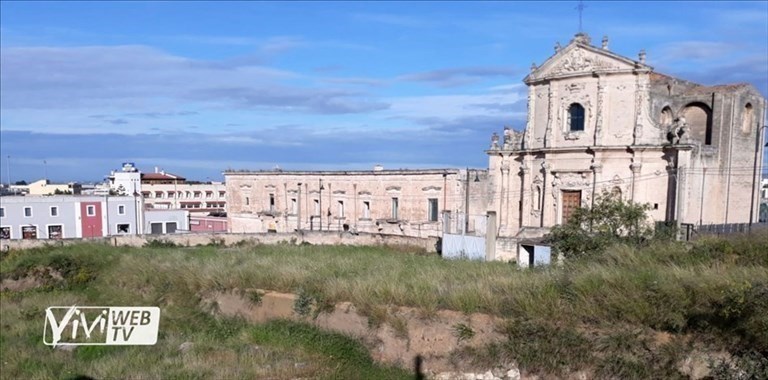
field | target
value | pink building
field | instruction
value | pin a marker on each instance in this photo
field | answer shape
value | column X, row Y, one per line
column 207, row 224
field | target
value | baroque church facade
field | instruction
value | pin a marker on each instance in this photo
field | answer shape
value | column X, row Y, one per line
column 601, row 122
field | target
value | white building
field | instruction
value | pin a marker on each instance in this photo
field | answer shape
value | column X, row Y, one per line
column 167, row 191
column 82, row 216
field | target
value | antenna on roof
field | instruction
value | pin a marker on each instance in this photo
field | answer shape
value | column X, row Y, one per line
column 580, row 8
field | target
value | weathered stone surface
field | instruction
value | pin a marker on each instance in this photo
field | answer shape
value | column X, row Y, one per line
column 186, row 347
column 66, row 348
column 625, row 146
column 696, row 364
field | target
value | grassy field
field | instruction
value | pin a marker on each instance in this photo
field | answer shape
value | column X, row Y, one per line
column 630, row 313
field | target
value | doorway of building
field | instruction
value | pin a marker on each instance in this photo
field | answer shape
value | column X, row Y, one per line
column 571, row 201
column 29, row 232
column 55, row 232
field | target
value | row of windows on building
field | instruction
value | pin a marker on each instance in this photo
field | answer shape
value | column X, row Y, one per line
column 180, row 194
column 55, row 231
column 698, row 116
column 203, row 205
column 30, row 232
column 432, row 205
column 90, row 210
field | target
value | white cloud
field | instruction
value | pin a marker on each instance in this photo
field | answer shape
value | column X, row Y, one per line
column 450, row 106
column 132, row 76
column 696, row 50
column 451, row 77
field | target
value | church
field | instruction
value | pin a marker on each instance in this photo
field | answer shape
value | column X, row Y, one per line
column 597, row 122
column 601, row 122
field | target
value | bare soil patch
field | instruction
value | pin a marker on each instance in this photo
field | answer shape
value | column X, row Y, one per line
column 405, row 334
column 37, row 277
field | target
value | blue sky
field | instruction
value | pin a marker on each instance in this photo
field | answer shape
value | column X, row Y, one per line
column 200, row 87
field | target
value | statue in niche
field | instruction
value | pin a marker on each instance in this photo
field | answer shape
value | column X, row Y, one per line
column 495, row 141
column 678, row 131
column 513, row 140
column 507, row 137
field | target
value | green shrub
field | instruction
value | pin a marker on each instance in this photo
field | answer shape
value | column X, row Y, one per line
column 160, row 243
column 541, row 346
column 742, row 249
column 255, row 297
column 610, row 221
column 463, row 332
column 302, row 306
column 216, row 242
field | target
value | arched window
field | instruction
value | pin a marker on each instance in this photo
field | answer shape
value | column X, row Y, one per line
column 698, row 116
column 575, row 117
column 747, row 119
column 666, row 117
column 537, row 199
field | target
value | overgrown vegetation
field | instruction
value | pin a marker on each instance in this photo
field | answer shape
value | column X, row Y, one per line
column 463, row 332
column 220, row 347
column 303, row 304
column 610, row 221
column 630, row 312
column 160, row 243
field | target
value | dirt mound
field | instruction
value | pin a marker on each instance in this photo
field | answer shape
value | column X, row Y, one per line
column 403, row 335
column 36, row 278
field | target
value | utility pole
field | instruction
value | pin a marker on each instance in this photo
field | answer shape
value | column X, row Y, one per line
column 106, row 211
column 8, row 163
column 298, row 209
column 320, row 205
column 466, row 205
column 45, row 170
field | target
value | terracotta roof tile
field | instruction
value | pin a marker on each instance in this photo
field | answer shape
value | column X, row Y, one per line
column 160, row 176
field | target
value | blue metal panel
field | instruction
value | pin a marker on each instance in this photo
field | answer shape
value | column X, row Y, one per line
column 541, row 255
column 463, row 247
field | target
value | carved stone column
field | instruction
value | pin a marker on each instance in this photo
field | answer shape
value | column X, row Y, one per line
column 597, row 169
column 545, row 168
column 551, row 115
column 636, row 167
column 641, row 89
column 683, row 163
column 672, row 185
column 523, row 218
column 504, row 203
column 530, row 120
column 600, row 108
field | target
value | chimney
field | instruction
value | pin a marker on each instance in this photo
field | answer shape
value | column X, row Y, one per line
column 157, row 169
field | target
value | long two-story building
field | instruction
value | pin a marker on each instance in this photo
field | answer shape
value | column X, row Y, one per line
column 410, row 202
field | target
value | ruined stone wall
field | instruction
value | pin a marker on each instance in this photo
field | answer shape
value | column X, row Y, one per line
column 194, row 239
column 721, row 123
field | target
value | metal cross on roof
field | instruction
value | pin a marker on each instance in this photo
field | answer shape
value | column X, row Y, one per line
column 580, row 8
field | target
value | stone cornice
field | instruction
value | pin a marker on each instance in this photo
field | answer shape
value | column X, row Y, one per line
column 449, row 171
column 585, row 149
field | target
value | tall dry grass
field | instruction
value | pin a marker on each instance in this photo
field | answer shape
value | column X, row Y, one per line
column 716, row 288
